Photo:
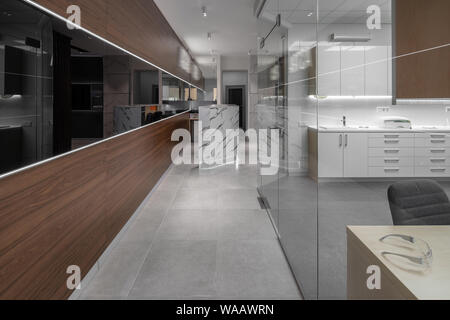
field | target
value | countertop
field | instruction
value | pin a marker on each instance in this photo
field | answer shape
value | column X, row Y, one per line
column 355, row 129
column 432, row 283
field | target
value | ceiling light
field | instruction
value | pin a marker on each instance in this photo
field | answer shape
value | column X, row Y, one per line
column 204, row 12
column 310, row 14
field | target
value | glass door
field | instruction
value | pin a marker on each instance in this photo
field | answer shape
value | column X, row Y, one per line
column 271, row 116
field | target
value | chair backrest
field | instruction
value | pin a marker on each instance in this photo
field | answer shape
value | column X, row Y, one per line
column 419, row 202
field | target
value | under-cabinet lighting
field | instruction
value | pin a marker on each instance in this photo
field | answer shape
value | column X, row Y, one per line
column 348, row 97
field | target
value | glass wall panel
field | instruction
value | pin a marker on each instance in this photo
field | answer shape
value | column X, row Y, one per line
column 286, row 79
column 354, row 82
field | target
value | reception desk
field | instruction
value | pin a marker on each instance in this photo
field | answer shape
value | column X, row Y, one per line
column 398, row 281
column 220, row 118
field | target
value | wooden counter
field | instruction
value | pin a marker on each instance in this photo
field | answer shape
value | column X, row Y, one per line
column 364, row 250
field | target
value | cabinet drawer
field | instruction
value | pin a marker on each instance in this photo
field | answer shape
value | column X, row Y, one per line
column 430, row 135
column 432, row 171
column 381, row 172
column 432, row 161
column 391, row 142
column 391, row 135
column 391, row 152
column 391, row 162
column 432, row 152
column 432, row 142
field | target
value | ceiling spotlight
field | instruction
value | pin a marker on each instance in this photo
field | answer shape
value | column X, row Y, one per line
column 209, row 36
column 204, row 12
column 310, row 14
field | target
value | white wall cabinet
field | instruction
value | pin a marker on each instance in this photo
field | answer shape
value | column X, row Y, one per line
column 354, row 70
column 329, row 68
column 376, row 69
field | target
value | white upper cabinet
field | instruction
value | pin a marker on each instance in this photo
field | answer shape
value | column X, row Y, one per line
column 376, row 71
column 352, row 71
column 329, row 68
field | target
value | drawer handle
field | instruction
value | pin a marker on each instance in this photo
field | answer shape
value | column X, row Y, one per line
column 391, row 169
column 438, row 136
column 438, row 170
column 437, row 140
column 392, row 136
column 392, row 141
column 391, row 160
column 391, row 150
column 437, row 150
column 438, row 160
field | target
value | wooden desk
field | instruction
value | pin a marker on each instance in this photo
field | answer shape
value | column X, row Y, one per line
column 364, row 249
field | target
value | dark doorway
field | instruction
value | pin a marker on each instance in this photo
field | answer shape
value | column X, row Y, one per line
column 236, row 96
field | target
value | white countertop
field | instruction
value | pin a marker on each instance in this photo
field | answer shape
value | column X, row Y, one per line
column 362, row 129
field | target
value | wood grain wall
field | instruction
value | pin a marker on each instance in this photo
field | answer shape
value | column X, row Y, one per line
column 422, row 25
column 136, row 25
column 67, row 211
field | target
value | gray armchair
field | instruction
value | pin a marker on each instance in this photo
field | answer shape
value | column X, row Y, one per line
column 419, row 202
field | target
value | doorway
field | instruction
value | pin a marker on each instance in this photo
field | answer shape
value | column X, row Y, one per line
column 236, row 95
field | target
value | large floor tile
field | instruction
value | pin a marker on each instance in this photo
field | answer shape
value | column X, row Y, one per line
column 190, row 225
column 177, row 269
column 144, row 228
column 116, row 277
column 253, row 269
column 245, row 225
column 196, row 199
column 240, row 199
column 160, row 200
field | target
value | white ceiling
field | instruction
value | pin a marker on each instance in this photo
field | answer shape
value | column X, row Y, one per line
column 235, row 29
column 232, row 24
column 330, row 11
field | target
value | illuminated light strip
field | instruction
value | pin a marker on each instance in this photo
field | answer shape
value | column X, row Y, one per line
column 348, row 97
column 77, row 27
column 5, row 175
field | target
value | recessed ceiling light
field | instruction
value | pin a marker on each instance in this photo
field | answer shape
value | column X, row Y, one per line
column 204, row 11
column 310, row 14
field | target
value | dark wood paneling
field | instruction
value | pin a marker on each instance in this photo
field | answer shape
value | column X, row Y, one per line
column 421, row 25
column 67, row 211
column 136, row 25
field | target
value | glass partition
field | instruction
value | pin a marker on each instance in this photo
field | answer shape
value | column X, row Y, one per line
column 286, row 68
column 62, row 89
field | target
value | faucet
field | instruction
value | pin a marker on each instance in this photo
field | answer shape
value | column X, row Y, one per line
column 344, row 121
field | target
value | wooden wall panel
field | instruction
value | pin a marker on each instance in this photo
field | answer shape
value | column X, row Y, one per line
column 136, row 25
column 422, row 25
column 67, row 211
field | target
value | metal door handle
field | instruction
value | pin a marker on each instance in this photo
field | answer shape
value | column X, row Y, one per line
column 346, row 140
column 340, row 140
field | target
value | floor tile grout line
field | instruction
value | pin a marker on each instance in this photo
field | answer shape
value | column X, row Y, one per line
column 169, row 207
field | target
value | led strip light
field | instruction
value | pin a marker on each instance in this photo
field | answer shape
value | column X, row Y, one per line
column 104, row 40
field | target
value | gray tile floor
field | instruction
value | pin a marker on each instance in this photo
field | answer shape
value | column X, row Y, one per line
column 201, row 235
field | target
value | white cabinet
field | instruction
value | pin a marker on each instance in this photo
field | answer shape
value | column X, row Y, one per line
column 342, row 155
column 330, row 155
column 355, row 155
column 352, row 72
column 383, row 154
column 376, row 69
column 329, row 69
